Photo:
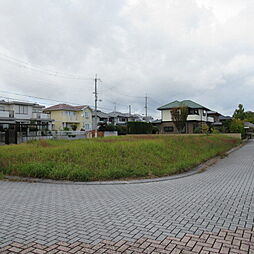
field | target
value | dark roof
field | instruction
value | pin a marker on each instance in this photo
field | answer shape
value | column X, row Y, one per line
column 248, row 125
column 118, row 114
column 21, row 103
column 184, row 103
column 101, row 114
column 65, row 107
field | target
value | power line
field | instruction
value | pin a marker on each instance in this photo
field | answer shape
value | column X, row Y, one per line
column 72, row 76
column 46, row 99
column 159, row 103
column 10, row 98
column 36, row 97
column 111, row 89
column 27, row 65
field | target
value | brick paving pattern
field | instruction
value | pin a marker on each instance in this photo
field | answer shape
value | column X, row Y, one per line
column 225, row 241
column 211, row 212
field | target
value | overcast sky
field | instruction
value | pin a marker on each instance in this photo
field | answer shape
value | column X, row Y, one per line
column 168, row 49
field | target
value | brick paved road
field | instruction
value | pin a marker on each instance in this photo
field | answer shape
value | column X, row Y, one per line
column 211, row 212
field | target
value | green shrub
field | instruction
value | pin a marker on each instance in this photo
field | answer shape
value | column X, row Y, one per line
column 215, row 131
column 140, row 128
column 74, row 127
column 107, row 127
column 237, row 126
column 204, row 128
column 197, row 130
column 121, row 129
column 155, row 130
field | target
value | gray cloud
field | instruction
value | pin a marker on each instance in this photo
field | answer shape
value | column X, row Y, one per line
column 168, row 49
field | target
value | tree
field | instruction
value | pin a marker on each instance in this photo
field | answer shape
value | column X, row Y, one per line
column 204, row 128
column 239, row 113
column 179, row 117
column 249, row 116
column 237, row 126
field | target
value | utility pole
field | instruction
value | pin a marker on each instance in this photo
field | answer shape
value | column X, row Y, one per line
column 129, row 109
column 95, row 103
column 114, row 106
column 146, row 98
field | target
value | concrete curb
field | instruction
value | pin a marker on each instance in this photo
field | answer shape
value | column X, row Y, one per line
column 199, row 169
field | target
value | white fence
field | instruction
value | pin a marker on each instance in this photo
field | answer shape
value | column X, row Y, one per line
column 38, row 135
column 110, row 133
column 45, row 135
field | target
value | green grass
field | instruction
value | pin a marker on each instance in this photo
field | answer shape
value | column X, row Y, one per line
column 111, row 158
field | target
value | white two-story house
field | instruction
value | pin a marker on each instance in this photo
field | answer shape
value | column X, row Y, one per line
column 197, row 114
column 23, row 114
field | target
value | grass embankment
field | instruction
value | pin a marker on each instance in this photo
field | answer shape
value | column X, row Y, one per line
column 111, row 158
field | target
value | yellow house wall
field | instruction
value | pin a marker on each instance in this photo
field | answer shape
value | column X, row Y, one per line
column 83, row 119
column 58, row 119
column 78, row 118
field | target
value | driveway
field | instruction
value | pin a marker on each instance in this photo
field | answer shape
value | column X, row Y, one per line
column 209, row 212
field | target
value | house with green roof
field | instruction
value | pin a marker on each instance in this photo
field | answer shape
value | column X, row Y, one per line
column 197, row 114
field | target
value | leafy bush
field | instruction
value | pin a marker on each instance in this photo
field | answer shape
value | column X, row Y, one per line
column 204, row 128
column 237, row 126
column 140, row 128
column 107, row 127
column 155, row 130
column 121, row 129
column 197, row 130
column 215, row 131
column 74, row 127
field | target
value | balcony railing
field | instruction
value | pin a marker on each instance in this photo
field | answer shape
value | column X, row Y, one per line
column 7, row 113
column 38, row 115
column 200, row 118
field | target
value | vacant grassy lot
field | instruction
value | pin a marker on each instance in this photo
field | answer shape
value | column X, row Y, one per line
column 111, row 158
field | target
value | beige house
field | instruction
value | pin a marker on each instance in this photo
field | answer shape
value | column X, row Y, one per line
column 197, row 114
column 70, row 117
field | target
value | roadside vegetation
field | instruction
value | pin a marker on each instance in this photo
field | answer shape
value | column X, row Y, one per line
column 111, row 158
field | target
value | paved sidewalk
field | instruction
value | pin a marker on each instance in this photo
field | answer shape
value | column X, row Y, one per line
column 211, row 212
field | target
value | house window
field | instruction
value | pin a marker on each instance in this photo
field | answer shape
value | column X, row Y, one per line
column 121, row 119
column 168, row 129
column 22, row 109
column 87, row 126
column 193, row 111
column 1, row 108
column 70, row 113
column 86, row 114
